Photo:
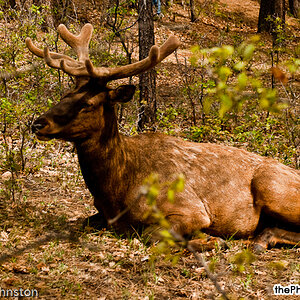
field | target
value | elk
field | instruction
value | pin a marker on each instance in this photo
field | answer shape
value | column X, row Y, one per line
column 228, row 191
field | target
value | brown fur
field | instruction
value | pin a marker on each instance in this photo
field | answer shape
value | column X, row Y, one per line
column 228, row 191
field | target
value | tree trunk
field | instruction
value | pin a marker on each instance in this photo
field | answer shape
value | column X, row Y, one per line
column 269, row 11
column 147, row 80
column 295, row 8
column 192, row 9
column 12, row 3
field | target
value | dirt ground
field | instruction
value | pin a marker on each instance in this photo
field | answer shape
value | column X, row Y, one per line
column 43, row 246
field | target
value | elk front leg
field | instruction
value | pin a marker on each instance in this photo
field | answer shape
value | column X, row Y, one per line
column 191, row 221
column 184, row 221
column 96, row 221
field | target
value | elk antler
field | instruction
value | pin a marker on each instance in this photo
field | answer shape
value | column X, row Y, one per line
column 84, row 66
column 69, row 65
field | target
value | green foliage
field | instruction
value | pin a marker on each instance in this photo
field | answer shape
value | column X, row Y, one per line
column 277, row 266
column 167, row 117
column 153, row 189
column 230, row 69
column 243, row 259
column 176, row 186
column 119, row 23
column 235, row 99
column 21, row 99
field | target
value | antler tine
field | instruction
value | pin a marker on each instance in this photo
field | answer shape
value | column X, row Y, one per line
column 170, row 45
column 156, row 55
column 64, row 62
column 51, row 58
column 80, row 43
column 35, row 50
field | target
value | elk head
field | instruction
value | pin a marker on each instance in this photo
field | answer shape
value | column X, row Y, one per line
column 86, row 109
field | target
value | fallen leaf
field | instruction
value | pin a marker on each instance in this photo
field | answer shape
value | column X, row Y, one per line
column 3, row 236
column 279, row 75
column 10, row 280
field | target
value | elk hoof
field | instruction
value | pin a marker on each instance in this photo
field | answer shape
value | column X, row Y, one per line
column 222, row 244
column 96, row 221
column 211, row 243
column 258, row 249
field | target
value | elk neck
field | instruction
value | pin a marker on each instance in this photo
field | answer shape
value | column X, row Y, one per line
column 105, row 164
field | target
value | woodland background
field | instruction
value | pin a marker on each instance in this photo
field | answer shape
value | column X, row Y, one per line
column 243, row 90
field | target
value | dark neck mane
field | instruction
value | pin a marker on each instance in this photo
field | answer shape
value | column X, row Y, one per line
column 103, row 163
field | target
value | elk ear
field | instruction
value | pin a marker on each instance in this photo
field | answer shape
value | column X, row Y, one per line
column 123, row 93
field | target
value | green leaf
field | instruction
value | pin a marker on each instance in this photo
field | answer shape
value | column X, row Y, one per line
column 264, row 103
column 226, row 104
column 179, row 187
column 248, row 52
column 164, row 223
column 221, row 86
column 255, row 38
column 171, row 195
column 227, row 51
column 195, row 49
column 166, row 234
column 242, row 81
column 256, row 83
column 224, row 72
column 239, row 66
column 193, row 61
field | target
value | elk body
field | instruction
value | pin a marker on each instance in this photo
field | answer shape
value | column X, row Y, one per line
column 228, row 191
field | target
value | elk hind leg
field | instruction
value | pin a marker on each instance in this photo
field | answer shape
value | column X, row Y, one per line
column 276, row 190
column 272, row 236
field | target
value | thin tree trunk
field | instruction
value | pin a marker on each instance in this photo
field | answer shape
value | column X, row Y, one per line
column 12, row 3
column 60, row 9
column 269, row 11
column 147, row 80
column 192, row 9
column 295, row 8
column 280, row 10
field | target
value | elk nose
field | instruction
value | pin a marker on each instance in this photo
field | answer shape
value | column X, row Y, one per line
column 39, row 124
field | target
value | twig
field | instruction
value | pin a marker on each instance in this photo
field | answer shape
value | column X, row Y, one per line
column 117, row 32
column 199, row 257
column 123, row 212
column 16, row 73
column 178, row 238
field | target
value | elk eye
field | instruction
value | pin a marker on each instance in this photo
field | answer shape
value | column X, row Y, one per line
column 89, row 104
column 86, row 106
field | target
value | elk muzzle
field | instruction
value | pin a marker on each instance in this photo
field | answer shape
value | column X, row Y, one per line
column 38, row 127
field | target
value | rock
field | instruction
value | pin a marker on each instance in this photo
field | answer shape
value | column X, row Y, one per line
column 6, row 176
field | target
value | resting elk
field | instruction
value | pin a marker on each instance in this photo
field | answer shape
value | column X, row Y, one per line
column 228, row 191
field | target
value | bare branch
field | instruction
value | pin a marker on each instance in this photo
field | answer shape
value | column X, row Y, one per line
column 16, row 73
column 200, row 258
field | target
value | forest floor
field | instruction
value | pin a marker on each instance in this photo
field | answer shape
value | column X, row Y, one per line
column 43, row 245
